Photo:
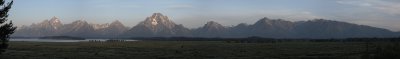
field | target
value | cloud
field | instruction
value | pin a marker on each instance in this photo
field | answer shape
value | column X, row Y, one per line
column 355, row 2
column 182, row 6
column 389, row 7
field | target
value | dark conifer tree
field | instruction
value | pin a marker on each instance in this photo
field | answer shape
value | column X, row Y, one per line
column 6, row 28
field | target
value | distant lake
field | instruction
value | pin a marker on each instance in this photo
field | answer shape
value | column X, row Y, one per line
column 60, row 40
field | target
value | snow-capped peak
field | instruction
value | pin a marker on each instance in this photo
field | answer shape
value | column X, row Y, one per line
column 213, row 25
column 54, row 20
column 154, row 22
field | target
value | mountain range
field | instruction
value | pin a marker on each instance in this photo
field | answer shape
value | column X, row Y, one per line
column 79, row 28
column 159, row 25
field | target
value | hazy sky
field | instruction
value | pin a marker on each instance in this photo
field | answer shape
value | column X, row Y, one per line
column 195, row 13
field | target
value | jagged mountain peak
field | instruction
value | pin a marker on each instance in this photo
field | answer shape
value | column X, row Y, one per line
column 55, row 18
column 158, row 18
column 52, row 24
column 321, row 20
column 157, row 15
column 243, row 24
column 210, row 29
column 213, row 24
column 116, row 22
column 264, row 19
column 157, row 21
column 157, row 25
column 271, row 22
column 324, row 21
column 55, row 21
column 79, row 24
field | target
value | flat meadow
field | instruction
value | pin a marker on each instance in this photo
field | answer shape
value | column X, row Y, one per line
column 192, row 50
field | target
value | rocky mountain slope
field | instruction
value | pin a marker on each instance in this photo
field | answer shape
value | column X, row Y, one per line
column 158, row 25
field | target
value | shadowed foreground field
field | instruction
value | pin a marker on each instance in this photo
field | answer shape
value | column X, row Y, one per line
column 189, row 50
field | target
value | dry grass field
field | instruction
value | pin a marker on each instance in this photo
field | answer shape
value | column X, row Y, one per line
column 189, row 50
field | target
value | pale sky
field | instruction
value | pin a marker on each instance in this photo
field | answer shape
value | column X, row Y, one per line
column 195, row 13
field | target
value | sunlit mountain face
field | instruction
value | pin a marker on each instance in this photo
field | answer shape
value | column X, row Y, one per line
column 158, row 25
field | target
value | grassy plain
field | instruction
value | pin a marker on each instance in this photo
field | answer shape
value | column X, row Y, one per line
column 188, row 50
